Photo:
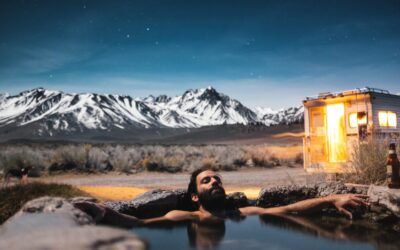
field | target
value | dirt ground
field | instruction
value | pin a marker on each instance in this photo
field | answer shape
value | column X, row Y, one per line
column 115, row 186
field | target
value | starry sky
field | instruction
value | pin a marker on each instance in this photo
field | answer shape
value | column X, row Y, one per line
column 262, row 53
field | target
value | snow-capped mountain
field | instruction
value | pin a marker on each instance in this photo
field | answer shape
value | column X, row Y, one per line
column 281, row 116
column 55, row 111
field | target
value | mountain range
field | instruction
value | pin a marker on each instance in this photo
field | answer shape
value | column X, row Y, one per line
column 47, row 112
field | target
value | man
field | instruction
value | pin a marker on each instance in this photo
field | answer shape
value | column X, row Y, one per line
column 207, row 193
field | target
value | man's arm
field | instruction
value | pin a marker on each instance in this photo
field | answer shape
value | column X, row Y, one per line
column 306, row 206
column 106, row 215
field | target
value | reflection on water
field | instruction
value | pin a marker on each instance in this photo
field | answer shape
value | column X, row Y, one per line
column 271, row 232
column 206, row 235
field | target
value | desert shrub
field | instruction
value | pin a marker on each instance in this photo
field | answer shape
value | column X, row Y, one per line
column 149, row 165
column 121, row 160
column 85, row 157
column 193, row 165
column 11, row 159
column 368, row 164
column 230, row 157
column 259, row 157
column 239, row 162
column 13, row 198
column 274, row 161
column 208, row 163
column 298, row 159
column 98, row 160
column 20, row 158
column 69, row 157
column 169, row 165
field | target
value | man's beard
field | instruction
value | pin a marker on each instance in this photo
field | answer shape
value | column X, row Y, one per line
column 213, row 199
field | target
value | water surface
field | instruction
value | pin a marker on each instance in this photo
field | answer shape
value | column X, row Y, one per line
column 270, row 232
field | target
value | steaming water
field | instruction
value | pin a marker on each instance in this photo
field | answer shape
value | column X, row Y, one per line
column 269, row 233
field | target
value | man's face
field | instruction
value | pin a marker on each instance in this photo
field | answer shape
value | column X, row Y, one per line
column 211, row 192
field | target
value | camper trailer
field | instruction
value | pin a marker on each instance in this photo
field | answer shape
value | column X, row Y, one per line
column 335, row 122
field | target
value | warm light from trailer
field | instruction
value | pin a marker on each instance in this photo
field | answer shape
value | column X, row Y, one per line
column 392, row 120
column 387, row 119
column 336, row 132
column 355, row 120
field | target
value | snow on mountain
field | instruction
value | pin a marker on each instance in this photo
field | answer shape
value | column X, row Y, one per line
column 57, row 111
column 282, row 116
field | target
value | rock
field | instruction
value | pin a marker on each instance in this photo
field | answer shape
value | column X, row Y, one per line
column 159, row 202
column 387, row 198
column 238, row 199
column 328, row 188
column 53, row 223
column 81, row 198
column 153, row 203
column 284, row 195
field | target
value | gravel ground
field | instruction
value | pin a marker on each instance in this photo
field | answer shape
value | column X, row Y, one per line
column 251, row 178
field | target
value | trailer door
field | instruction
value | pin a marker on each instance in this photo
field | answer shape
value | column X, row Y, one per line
column 336, row 132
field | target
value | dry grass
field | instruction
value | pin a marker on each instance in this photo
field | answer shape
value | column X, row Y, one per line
column 105, row 193
column 13, row 198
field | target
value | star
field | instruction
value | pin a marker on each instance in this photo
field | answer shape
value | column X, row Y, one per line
column 148, row 29
column 128, row 36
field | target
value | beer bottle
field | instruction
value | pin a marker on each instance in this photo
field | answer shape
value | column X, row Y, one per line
column 393, row 168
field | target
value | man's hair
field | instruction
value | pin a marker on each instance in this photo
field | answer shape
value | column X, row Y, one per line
column 192, row 187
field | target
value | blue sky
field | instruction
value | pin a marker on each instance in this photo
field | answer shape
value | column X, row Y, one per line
column 263, row 53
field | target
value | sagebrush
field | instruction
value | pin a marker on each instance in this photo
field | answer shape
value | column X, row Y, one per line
column 134, row 158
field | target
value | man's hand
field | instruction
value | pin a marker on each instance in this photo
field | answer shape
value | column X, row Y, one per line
column 95, row 210
column 341, row 201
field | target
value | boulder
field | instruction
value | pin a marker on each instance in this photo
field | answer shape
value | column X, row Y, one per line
column 159, row 202
column 153, row 203
column 53, row 223
column 385, row 204
column 238, row 199
column 284, row 195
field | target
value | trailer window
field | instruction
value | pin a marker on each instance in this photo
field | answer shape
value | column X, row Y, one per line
column 356, row 119
column 387, row 119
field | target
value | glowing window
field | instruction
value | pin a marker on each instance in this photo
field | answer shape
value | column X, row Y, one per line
column 387, row 119
column 356, row 119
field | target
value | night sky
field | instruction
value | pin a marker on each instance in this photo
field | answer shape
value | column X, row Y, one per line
column 263, row 53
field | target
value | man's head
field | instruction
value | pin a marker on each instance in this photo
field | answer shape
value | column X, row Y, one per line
column 206, row 189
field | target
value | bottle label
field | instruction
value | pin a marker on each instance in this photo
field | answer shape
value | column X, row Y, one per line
column 391, row 152
column 389, row 169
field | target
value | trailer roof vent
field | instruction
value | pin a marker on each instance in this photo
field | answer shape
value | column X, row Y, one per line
column 325, row 94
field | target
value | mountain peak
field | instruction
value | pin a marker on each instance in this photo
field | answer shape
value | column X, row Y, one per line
column 211, row 94
column 162, row 98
